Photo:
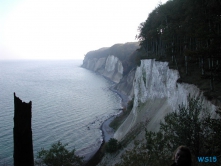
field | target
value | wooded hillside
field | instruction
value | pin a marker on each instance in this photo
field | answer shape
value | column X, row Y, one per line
column 187, row 33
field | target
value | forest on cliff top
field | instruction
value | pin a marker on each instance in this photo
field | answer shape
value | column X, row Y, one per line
column 187, row 34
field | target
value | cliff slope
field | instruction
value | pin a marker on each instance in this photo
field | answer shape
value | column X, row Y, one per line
column 154, row 88
column 156, row 93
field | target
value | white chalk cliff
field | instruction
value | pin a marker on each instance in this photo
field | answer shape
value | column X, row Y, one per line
column 156, row 93
column 152, row 85
column 110, row 67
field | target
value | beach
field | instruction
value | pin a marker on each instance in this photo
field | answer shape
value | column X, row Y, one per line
column 107, row 131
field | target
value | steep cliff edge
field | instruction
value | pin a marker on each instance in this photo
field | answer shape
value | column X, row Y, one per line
column 125, row 86
column 156, row 93
column 110, row 67
column 153, row 86
column 113, row 63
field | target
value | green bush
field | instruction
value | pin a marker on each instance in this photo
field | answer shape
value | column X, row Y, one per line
column 112, row 145
column 58, row 155
column 190, row 125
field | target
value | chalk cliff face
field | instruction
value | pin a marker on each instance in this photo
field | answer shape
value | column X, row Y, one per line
column 110, row 67
column 112, row 62
column 113, row 69
column 156, row 93
column 125, row 86
column 152, row 86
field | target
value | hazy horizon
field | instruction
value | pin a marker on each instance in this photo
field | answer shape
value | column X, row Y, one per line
column 47, row 29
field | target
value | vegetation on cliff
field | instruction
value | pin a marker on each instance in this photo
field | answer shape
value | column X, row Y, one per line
column 187, row 33
column 121, row 51
column 126, row 53
column 190, row 125
column 58, row 155
column 112, row 145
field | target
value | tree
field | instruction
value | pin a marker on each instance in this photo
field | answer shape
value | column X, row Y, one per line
column 112, row 145
column 213, row 133
column 190, row 125
column 194, row 127
column 138, row 156
column 185, row 33
column 185, row 126
column 58, row 155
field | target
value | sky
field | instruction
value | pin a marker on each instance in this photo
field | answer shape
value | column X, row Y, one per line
column 68, row 29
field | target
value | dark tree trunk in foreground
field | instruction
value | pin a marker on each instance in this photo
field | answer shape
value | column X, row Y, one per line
column 23, row 147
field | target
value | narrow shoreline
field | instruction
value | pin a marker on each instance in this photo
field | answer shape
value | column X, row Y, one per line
column 124, row 98
column 94, row 157
column 107, row 131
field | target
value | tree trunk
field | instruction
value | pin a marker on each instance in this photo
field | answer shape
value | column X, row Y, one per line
column 186, row 64
column 23, row 146
column 211, row 74
column 202, row 66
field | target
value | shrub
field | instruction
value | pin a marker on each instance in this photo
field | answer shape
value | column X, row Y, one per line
column 112, row 145
column 190, row 125
column 58, row 155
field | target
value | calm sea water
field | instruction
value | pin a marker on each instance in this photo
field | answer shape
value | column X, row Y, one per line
column 69, row 103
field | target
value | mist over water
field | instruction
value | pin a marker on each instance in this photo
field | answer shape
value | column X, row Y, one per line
column 69, row 103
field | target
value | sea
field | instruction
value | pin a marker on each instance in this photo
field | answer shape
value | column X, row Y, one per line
column 69, row 104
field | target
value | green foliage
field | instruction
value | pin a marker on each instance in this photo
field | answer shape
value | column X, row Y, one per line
column 212, row 133
column 138, row 156
column 190, row 125
column 172, row 24
column 185, row 28
column 184, row 127
column 112, row 145
column 159, row 154
column 122, row 51
column 58, row 155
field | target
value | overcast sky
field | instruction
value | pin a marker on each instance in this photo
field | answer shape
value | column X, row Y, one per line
column 67, row 29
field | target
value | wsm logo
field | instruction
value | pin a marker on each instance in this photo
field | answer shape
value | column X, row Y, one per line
column 210, row 159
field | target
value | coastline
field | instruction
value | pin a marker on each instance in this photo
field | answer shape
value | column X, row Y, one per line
column 124, row 98
column 107, row 133
column 94, row 158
